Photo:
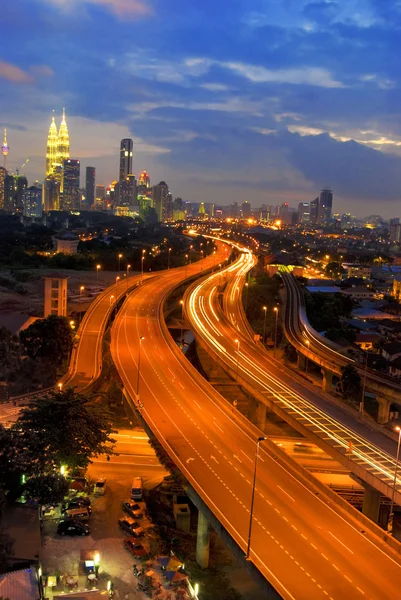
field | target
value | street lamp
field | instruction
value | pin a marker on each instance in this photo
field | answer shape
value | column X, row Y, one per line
column 307, row 358
column 142, row 259
column 362, row 402
column 97, row 273
column 182, row 321
column 275, row 331
column 246, row 296
column 186, row 268
column 60, row 386
column 119, row 259
column 248, row 549
column 169, row 253
column 111, row 299
column 236, row 372
column 81, row 289
column 128, row 268
column 139, row 365
column 117, row 279
column 391, row 515
column 264, row 324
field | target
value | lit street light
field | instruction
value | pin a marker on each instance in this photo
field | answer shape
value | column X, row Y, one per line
column 142, row 260
column 119, row 259
column 186, row 268
column 81, row 289
column 169, row 253
column 236, row 372
column 98, row 267
column 182, row 322
column 128, row 268
column 307, row 358
column 264, row 324
column 117, row 279
column 248, row 548
column 246, row 295
column 139, row 366
column 275, row 331
column 60, row 386
column 111, row 299
column 391, row 515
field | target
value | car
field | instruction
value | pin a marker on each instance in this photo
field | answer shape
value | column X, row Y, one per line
column 76, row 503
column 134, row 548
column 84, row 500
column 100, row 487
column 132, row 508
column 130, row 526
column 72, row 527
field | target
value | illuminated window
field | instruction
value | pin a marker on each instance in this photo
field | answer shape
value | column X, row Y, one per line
column 126, row 153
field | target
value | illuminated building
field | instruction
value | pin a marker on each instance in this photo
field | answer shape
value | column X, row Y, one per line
column 55, row 296
column 51, row 194
column 51, row 151
column 303, row 212
column 126, row 148
column 90, row 187
column 325, row 205
column 314, row 211
column 144, row 180
column 63, row 144
column 9, row 193
column 178, row 210
column 71, row 192
column 159, row 195
column 3, row 174
column 4, row 149
column 126, row 191
column 21, row 185
column 32, row 201
column 246, row 210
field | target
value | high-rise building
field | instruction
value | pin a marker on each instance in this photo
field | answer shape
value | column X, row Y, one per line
column 51, row 150
column 90, row 187
column 325, row 205
column 71, row 192
column 178, row 210
column 246, row 210
column 32, row 202
column 314, row 211
column 10, row 193
column 22, row 184
column 126, row 151
column 144, row 180
column 395, row 231
column 3, row 173
column 303, row 212
column 159, row 195
column 127, row 191
column 63, row 142
column 51, row 194
column 4, row 149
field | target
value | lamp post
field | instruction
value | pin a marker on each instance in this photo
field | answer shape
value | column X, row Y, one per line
column 307, row 358
column 97, row 274
column 190, row 248
column 182, row 322
column 246, row 296
column 391, row 515
column 236, row 371
column 111, row 300
column 275, row 331
column 81, row 289
column 186, row 268
column 362, row 402
column 264, row 324
column 139, row 365
column 117, row 279
column 60, row 386
column 119, row 259
column 169, row 254
column 248, row 548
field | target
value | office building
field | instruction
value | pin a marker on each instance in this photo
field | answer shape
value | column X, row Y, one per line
column 32, row 202
column 3, row 174
column 22, row 184
column 57, row 150
column 100, row 196
column 144, row 180
column 178, row 210
column 314, row 211
column 303, row 213
column 159, row 196
column 395, row 231
column 51, row 149
column 127, row 191
column 325, row 205
column 90, row 187
column 126, row 152
column 246, row 210
column 51, row 194
column 10, row 193
column 71, row 198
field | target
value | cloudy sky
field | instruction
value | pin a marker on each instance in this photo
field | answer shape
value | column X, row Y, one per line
column 227, row 100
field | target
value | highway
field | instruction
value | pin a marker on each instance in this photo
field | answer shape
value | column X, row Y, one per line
column 300, row 543
column 365, row 451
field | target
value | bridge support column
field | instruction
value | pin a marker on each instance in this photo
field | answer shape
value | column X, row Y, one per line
column 202, row 541
column 384, row 410
column 301, row 361
column 371, row 503
column 327, row 380
column 261, row 416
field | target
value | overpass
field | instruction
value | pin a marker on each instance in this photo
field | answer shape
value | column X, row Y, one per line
column 301, row 543
column 328, row 355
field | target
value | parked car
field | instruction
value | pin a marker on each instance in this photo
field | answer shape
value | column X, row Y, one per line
column 130, row 526
column 83, row 500
column 76, row 503
column 72, row 527
column 77, row 514
column 100, row 487
column 132, row 508
column 134, row 548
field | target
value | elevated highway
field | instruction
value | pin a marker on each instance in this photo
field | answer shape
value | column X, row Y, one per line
column 329, row 355
column 300, row 542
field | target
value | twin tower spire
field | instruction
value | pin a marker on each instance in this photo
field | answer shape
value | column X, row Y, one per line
column 58, row 147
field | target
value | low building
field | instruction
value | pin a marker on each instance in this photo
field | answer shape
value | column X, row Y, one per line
column 396, row 291
column 55, row 295
column 366, row 340
column 358, row 293
column 357, row 270
column 395, row 367
column 391, row 351
column 67, row 243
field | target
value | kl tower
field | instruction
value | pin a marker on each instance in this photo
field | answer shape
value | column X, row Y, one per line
column 5, row 149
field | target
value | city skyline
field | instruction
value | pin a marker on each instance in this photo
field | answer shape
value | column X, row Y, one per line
column 264, row 104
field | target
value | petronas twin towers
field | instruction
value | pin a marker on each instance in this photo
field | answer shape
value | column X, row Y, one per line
column 58, row 150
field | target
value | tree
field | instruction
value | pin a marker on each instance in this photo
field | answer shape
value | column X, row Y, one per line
column 49, row 339
column 47, row 488
column 66, row 428
column 334, row 270
column 9, row 353
column 350, row 383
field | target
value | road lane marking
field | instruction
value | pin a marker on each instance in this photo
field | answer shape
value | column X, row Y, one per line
column 286, row 493
column 340, row 542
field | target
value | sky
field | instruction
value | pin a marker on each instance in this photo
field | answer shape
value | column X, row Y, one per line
column 226, row 100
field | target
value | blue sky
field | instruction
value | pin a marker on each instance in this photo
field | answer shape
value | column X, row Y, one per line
column 258, row 100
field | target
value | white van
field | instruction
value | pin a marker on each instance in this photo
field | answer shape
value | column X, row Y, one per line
column 100, row 487
column 80, row 514
column 137, row 488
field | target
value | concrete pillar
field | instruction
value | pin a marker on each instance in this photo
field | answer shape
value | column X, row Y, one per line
column 202, row 541
column 301, row 361
column 384, row 410
column 261, row 416
column 327, row 380
column 371, row 503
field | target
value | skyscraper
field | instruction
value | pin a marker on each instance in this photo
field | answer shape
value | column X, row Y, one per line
column 51, row 151
column 325, row 205
column 159, row 195
column 51, row 194
column 303, row 212
column 22, row 184
column 3, row 174
column 126, row 151
column 33, row 202
column 63, row 142
column 314, row 211
column 9, row 193
column 90, row 187
column 4, row 149
column 71, row 192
